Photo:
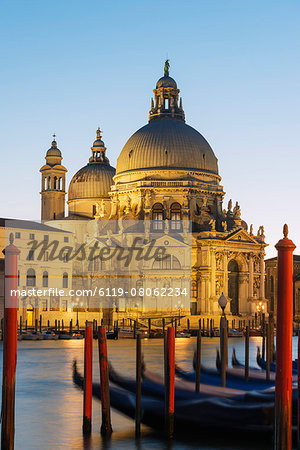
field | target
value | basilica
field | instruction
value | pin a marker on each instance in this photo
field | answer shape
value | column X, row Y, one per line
column 166, row 178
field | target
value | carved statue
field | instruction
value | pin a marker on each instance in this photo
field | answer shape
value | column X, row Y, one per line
column 237, row 211
column 229, row 205
column 224, row 225
column 212, row 223
column 166, row 68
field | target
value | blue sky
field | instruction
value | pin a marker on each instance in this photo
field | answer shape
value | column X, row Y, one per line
column 71, row 66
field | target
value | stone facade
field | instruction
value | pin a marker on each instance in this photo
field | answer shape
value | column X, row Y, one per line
column 167, row 173
column 271, row 285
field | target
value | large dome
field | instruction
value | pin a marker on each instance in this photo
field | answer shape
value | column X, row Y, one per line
column 167, row 143
column 91, row 181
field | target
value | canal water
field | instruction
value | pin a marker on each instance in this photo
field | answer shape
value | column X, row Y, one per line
column 49, row 406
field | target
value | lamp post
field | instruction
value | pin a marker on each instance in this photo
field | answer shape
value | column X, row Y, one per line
column 223, row 337
column 179, row 306
column 223, row 302
column 77, row 311
column 260, row 309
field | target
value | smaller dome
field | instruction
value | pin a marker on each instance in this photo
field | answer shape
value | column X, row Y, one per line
column 92, row 180
column 167, row 82
column 53, row 151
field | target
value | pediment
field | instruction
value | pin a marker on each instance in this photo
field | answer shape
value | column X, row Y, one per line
column 241, row 236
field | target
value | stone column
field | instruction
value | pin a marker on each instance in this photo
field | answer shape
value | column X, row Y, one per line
column 262, row 277
column 250, row 287
column 213, row 272
column 225, row 279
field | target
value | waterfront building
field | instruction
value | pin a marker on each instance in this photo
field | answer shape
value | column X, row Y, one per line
column 271, row 285
column 167, row 174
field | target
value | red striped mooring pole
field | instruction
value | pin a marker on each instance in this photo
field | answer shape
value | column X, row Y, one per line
column 284, row 334
column 106, row 428
column 10, row 335
column 88, row 380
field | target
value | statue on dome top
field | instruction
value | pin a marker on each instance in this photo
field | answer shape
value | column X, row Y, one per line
column 166, row 68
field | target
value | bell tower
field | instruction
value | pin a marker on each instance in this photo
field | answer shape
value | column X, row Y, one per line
column 53, row 189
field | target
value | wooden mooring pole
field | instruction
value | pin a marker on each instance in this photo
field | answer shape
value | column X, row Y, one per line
column 284, row 332
column 10, row 333
column 170, row 381
column 106, row 428
column 247, row 354
column 87, row 382
column 138, row 386
column 198, row 361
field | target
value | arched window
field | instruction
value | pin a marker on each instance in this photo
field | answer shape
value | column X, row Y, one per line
column 45, row 183
column 55, row 183
column 175, row 217
column 175, row 263
column 167, row 262
column 30, row 277
column 158, row 217
column 60, row 184
column 45, row 279
column 49, row 182
column 65, row 280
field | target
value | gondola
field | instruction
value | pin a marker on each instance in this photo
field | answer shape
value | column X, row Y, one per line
column 215, row 380
column 194, row 415
column 263, row 364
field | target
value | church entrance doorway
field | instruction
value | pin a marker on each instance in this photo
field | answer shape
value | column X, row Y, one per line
column 233, row 286
column 30, row 316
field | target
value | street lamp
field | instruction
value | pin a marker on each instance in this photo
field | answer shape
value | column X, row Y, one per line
column 77, row 308
column 179, row 306
column 223, row 302
column 260, row 309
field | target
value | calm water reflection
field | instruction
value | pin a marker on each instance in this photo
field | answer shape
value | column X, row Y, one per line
column 49, row 407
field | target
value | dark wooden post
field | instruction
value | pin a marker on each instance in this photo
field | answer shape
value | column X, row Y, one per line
column 138, row 386
column 188, row 325
column 170, row 381
column 268, row 345
column 36, row 325
column 87, row 382
column 164, row 324
column 284, row 331
column 21, row 324
column 298, row 412
column 40, row 323
column 149, row 327
column 58, row 326
column 211, row 328
column 247, row 354
column 263, row 330
column 48, row 324
column 175, row 326
column 106, row 428
column 198, row 361
column 62, row 325
column 55, row 326
column 71, row 325
column 26, row 325
column 271, row 327
column 10, row 336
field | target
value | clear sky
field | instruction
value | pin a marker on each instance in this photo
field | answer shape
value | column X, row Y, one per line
column 70, row 66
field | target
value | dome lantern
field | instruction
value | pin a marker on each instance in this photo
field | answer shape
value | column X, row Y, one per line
column 98, row 150
column 166, row 98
